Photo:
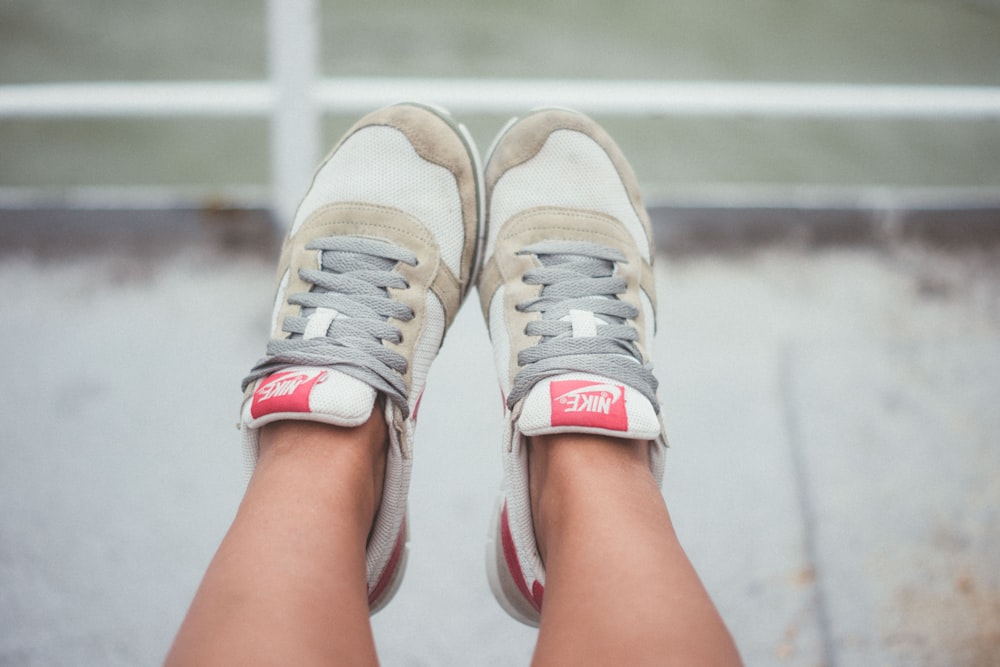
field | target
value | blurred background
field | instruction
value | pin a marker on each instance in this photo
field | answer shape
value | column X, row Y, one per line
column 937, row 42
column 829, row 348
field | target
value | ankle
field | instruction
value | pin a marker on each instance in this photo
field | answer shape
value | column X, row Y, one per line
column 568, row 472
column 329, row 459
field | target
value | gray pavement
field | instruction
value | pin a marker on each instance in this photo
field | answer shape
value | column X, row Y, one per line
column 834, row 472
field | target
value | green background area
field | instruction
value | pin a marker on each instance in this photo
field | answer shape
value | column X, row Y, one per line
column 851, row 41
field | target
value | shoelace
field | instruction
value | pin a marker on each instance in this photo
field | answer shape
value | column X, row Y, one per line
column 578, row 280
column 344, row 316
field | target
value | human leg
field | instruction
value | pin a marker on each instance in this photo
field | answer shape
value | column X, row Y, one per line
column 619, row 588
column 378, row 259
column 568, row 293
column 287, row 585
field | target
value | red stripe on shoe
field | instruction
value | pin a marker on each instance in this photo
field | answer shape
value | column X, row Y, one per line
column 416, row 406
column 538, row 592
column 514, row 564
column 390, row 567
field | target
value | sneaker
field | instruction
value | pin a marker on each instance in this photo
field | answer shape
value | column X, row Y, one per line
column 567, row 292
column 379, row 257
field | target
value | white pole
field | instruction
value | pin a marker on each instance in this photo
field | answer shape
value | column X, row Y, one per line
column 668, row 98
column 166, row 99
column 295, row 130
column 137, row 99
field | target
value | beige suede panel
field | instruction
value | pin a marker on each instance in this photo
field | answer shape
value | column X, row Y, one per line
column 437, row 141
column 383, row 223
column 506, row 267
column 490, row 280
column 526, row 138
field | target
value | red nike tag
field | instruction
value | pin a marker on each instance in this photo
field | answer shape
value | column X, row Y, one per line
column 589, row 404
column 286, row 391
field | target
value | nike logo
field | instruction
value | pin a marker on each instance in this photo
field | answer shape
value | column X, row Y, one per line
column 286, row 391
column 592, row 398
column 588, row 404
column 281, row 385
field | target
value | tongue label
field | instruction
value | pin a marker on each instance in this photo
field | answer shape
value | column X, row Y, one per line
column 287, row 391
column 588, row 404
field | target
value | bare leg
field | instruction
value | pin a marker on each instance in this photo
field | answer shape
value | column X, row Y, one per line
column 598, row 511
column 287, row 585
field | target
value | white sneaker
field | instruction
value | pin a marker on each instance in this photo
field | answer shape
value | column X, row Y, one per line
column 380, row 255
column 567, row 291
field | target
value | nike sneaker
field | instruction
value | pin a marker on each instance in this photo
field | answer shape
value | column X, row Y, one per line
column 378, row 259
column 567, row 290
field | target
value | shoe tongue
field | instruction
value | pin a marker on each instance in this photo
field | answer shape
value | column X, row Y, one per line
column 309, row 393
column 584, row 403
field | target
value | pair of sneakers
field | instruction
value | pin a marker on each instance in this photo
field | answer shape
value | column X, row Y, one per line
column 399, row 223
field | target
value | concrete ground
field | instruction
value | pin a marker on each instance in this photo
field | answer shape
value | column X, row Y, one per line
column 834, row 471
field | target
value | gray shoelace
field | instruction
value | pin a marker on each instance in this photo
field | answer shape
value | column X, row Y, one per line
column 579, row 276
column 352, row 289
